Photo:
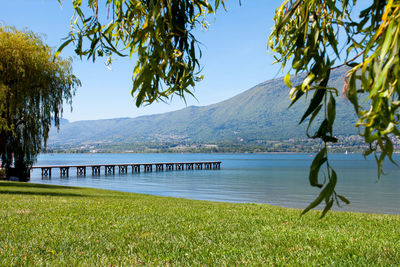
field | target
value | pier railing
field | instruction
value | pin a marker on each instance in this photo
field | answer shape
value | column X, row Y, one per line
column 110, row 169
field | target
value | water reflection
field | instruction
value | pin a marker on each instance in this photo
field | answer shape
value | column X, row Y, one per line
column 277, row 179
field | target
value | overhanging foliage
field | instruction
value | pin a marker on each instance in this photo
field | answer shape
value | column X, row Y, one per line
column 158, row 32
column 306, row 39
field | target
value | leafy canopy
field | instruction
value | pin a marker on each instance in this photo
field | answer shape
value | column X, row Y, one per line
column 33, row 86
column 158, row 32
column 310, row 37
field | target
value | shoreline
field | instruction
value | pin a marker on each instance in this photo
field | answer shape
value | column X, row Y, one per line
column 250, row 183
column 222, row 153
column 318, row 209
column 30, row 184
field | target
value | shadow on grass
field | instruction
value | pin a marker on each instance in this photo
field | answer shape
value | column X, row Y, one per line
column 59, row 190
column 25, row 184
column 4, row 185
column 42, row 194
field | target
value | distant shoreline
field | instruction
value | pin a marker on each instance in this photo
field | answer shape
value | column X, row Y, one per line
column 201, row 152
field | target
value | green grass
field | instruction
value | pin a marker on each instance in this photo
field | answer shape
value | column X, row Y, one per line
column 47, row 225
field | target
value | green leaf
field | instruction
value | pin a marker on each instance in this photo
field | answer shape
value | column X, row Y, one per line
column 307, row 81
column 298, row 95
column 326, row 192
column 345, row 200
column 314, row 103
column 313, row 116
column 77, row 3
column 287, row 80
column 389, row 150
column 332, row 182
column 387, row 41
column 327, row 208
column 318, row 161
column 322, row 130
column 62, row 46
column 367, row 152
column 333, row 41
column 331, row 113
column 315, row 203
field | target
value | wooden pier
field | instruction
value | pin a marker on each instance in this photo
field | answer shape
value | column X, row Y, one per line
column 109, row 169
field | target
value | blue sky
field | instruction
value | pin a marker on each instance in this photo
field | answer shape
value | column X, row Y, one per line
column 235, row 58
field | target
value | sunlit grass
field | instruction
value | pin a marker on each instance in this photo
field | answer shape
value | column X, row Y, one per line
column 44, row 224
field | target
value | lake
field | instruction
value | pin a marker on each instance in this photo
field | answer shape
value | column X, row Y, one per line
column 275, row 179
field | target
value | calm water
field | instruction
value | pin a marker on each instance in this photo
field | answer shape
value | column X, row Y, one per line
column 276, row 179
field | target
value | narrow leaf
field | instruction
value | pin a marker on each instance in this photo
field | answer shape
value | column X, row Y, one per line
column 62, row 47
column 331, row 113
column 345, row 200
column 313, row 116
column 327, row 208
column 287, row 80
column 318, row 161
column 315, row 101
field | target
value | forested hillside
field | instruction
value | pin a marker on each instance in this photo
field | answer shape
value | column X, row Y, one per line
column 252, row 118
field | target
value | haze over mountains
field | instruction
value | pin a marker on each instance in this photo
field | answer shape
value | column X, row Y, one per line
column 255, row 116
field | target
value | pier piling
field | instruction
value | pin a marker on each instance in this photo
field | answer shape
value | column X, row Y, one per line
column 109, row 169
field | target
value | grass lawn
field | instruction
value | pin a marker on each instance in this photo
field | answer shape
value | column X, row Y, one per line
column 44, row 224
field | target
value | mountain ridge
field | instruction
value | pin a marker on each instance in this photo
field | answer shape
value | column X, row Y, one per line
column 257, row 115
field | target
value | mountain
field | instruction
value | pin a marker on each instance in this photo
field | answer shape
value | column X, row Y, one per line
column 255, row 116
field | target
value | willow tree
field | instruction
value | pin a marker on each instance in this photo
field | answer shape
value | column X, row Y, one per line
column 310, row 39
column 33, row 86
